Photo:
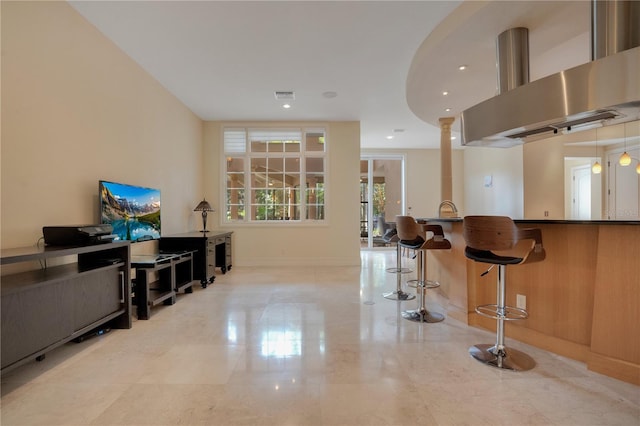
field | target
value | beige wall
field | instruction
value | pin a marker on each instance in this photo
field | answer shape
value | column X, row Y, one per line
column 501, row 170
column 76, row 109
column 423, row 181
column 543, row 179
column 333, row 243
column 422, row 177
column 469, row 167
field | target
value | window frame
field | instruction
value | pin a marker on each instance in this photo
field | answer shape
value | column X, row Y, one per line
column 247, row 156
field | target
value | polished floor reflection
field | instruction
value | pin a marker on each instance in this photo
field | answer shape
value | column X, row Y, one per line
column 303, row 346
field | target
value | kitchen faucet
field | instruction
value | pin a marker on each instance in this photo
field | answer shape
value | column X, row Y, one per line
column 448, row 203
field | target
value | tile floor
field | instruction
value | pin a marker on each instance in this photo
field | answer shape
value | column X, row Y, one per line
column 303, row 346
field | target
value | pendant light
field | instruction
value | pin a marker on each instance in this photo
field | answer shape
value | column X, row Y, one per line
column 596, row 168
column 625, row 158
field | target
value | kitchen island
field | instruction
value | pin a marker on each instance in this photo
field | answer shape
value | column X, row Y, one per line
column 583, row 299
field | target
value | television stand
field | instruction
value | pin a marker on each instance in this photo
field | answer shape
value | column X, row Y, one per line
column 159, row 278
column 45, row 308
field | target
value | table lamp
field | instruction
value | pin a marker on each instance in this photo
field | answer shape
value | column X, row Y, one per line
column 204, row 207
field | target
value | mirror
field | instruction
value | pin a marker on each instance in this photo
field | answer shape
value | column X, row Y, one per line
column 614, row 193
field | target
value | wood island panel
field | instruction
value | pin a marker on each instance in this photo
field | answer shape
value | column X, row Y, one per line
column 583, row 299
column 615, row 339
column 559, row 290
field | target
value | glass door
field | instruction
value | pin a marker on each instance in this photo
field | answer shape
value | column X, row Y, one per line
column 381, row 196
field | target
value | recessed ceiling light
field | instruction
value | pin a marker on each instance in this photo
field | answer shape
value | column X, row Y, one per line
column 462, row 67
column 390, row 137
column 445, row 93
column 286, row 106
column 447, row 109
column 329, row 94
column 453, row 138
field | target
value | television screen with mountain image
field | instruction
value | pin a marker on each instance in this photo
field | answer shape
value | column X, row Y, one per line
column 133, row 211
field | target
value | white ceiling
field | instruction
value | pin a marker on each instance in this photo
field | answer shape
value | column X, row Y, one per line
column 225, row 59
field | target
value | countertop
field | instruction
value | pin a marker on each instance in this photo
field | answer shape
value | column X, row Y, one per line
column 543, row 221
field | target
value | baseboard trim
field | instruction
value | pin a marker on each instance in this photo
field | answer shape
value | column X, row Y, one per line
column 298, row 261
column 612, row 367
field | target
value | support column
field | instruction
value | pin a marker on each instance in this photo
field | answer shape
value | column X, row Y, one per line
column 446, row 176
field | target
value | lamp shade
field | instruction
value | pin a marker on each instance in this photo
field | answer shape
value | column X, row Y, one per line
column 625, row 159
column 203, row 206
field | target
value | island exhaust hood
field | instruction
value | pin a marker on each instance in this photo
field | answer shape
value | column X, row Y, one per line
column 605, row 91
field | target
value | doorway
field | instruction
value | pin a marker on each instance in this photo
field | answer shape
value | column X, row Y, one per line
column 381, row 196
column 582, row 189
column 581, row 192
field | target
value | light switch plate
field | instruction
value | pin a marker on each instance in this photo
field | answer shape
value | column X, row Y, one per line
column 521, row 301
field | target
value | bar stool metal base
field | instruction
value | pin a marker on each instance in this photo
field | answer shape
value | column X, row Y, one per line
column 507, row 359
column 419, row 315
column 423, row 285
column 399, row 270
column 398, row 295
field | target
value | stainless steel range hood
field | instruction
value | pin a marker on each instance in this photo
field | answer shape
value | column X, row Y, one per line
column 605, row 91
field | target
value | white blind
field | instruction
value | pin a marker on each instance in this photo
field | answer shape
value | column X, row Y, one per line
column 267, row 135
column 235, row 140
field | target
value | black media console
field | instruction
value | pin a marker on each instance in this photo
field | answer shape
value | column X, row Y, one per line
column 44, row 306
column 212, row 249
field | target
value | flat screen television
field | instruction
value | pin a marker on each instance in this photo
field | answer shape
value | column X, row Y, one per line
column 132, row 211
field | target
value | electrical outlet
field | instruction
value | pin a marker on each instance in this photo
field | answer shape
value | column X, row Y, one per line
column 546, row 213
column 521, row 301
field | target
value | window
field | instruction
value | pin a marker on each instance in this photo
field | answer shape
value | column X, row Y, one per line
column 274, row 175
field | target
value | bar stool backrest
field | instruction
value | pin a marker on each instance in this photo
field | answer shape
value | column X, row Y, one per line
column 408, row 228
column 490, row 232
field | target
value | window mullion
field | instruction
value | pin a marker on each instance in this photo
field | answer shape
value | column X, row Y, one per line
column 303, row 184
column 279, row 189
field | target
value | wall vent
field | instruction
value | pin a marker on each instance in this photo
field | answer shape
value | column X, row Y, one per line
column 285, row 95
